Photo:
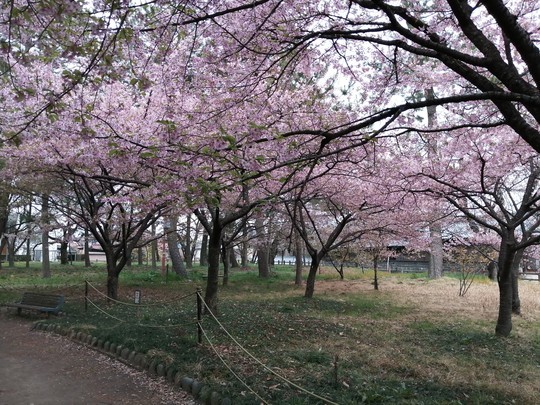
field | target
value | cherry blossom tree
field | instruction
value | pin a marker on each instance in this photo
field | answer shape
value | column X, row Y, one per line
column 487, row 50
column 500, row 195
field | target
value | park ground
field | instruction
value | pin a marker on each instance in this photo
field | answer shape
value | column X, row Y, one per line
column 415, row 341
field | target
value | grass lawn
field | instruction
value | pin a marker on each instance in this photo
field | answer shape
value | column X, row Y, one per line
column 413, row 342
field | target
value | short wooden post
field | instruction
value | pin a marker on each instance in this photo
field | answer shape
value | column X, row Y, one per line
column 336, row 372
column 86, row 295
column 199, row 315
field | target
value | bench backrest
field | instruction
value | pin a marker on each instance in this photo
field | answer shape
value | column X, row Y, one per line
column 42, row 300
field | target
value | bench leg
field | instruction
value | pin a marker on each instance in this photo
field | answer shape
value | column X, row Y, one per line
column 19, row 311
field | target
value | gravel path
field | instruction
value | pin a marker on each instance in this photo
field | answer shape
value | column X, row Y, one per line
column 40, row 368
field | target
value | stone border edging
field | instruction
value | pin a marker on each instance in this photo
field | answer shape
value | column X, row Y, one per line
column 201, row 392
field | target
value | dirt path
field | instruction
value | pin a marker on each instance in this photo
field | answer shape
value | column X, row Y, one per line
column 40, row 368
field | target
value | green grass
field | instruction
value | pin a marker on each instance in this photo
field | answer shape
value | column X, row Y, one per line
column 350, row 345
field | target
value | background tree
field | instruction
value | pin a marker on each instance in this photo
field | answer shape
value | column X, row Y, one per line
column 501, row 196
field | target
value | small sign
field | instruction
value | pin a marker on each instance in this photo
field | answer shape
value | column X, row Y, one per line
column 137, row 298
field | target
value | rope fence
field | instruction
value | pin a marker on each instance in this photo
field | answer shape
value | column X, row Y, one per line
column 164, row 303
column 202, row 335
column 259, row 362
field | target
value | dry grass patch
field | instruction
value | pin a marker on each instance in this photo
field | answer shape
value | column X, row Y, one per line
column 440, row 297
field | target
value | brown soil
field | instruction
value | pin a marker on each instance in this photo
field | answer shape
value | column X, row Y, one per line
column 42, row 368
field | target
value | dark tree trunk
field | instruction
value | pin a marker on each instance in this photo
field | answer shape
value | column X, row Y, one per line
column 262, row 262
column 232, row 258
column 64, row 259
column 154, row 249
column 244, row 246
column 375, row 273
column 203, row 261
column 273, row 252
column 11, row 252
column 3, row 242
column 516, row 303
column 140, row 256
column 299, row 254
column 112, row 284
column 492, row 270
column 87, row 262
column 312, row 275
column 45, row 263
column 263, row 250
column 225, row 252
column 214, row 253
column 504, row 320
column 4, row 216
column 114, row 267
column 187, row 247
column 28, row 253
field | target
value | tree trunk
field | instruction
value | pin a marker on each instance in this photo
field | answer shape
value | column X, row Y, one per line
column 225, row 252
column 45, row 262
column 154, row 249
column 263, row 250
column 64, row 252
column 244, row 246
column 112, row 274
column 262, row 262
column 435, row 231
column 214, row 248
column 299, row 254
column 3, row 242
column 28, row 241
column 516, row 303
column 87, row 262
column 232, row 257
column 312, row 275
column 11, row 251
column 28, row 252
column 112, row 284
column 492, row 270
column 436, row 252
column 273, row 252
column 187, row 247
column 203, row 259
column 4, row 216
column 140, row 256
column 172, row 243
column 375, row 274
column 504, row 320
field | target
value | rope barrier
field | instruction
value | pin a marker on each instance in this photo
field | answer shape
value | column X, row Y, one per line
column 176, row 325
column 103, row 311
column 231, row 370
column 140, row 305
column 305, row 391
column 249, row 354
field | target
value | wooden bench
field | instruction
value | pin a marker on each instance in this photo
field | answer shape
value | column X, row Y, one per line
column 43, row 303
